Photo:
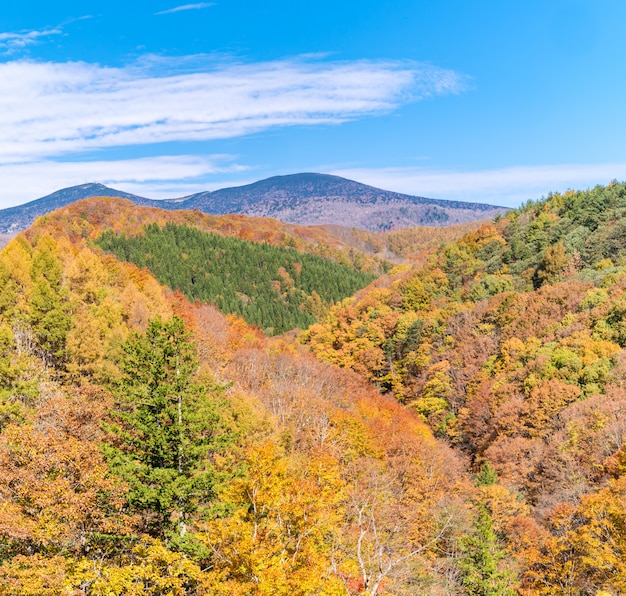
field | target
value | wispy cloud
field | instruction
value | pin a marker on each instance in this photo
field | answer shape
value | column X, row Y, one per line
column 14, row 42
column 71, row 20
column 198, row 6
column 504, row 186
column 11, row 42
column 52, row 109
column 153, row 177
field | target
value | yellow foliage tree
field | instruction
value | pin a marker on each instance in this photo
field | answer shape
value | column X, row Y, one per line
column 279, row 537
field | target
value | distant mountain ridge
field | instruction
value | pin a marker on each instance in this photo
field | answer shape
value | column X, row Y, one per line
column 318, row 199
column 303, row 199
column 20, row 217
column 294, row 187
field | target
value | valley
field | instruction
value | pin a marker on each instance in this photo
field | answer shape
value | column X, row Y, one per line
column 216, row 404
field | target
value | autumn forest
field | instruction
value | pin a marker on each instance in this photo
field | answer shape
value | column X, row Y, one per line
column 194, row 404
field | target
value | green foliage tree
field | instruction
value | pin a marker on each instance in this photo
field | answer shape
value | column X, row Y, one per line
column 486, row 476
column 49, row 317
column 167, row 427
column 481, row 558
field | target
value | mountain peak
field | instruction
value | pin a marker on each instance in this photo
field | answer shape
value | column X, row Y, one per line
column 320, row 199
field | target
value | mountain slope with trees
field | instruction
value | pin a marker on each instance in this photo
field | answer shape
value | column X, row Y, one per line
column 18, row 218
column 317, row 199
column 457, row 427
column 274, row 287
column 150, row 445
column 510, row 344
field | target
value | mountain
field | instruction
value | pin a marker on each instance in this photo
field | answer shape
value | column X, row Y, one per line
column 317, row 199
column 304, row 199
column 20, row 217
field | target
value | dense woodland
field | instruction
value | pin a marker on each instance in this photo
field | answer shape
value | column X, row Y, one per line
column 274, row 287
column 509, row 342
column 457, row 427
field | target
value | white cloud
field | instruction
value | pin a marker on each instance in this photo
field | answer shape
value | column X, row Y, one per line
column 504, row 186
column 11, row 42
column 152, row 177
column 198, row 6
column 52, row 109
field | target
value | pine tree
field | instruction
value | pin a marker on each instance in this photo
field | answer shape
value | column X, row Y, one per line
column 486, row 475
column 167, row 427
column 480, row 561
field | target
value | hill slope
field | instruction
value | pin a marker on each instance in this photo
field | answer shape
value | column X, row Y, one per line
column 277, row 288
column 511, row 343
column 304, row 199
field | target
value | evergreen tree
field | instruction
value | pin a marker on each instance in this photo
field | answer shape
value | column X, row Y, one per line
column 167, row 427
column 480, row 560
column 266, row 285
column 486, row 475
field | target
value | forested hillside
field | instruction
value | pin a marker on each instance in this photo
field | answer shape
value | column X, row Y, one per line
column 90, row 218
column 150, row 444
column 510, row 344
column 365, row 251
column 274, row 287
column 401, row 245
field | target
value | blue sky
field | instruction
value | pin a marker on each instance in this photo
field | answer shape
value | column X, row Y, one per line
column 491, row 101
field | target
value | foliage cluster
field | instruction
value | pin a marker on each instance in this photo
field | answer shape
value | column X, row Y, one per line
column 404, row 244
